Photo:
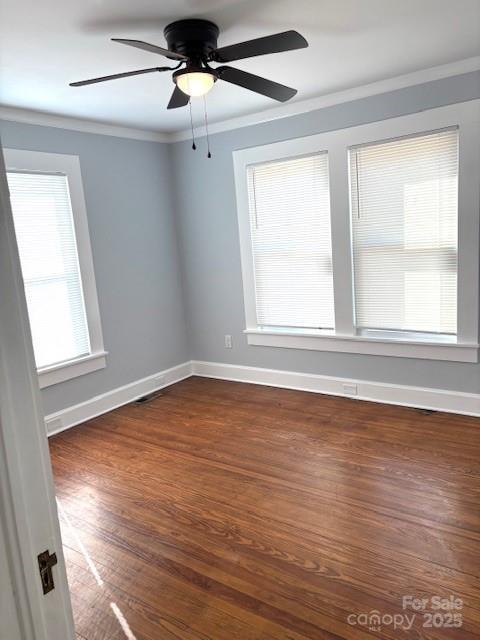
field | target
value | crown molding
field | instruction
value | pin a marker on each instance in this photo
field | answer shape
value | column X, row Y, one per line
column 29, row 116
column 285, row 110
column 364, row 91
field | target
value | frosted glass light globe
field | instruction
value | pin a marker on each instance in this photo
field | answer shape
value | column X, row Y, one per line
column 194, row 84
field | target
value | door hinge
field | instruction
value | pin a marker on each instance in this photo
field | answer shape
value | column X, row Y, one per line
column 46, row 561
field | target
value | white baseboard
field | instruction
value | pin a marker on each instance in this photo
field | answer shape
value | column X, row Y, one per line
column 421, row 397
column 69, row 417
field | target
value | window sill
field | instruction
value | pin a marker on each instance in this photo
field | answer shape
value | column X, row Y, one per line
column 48, row 376
column 327, row 341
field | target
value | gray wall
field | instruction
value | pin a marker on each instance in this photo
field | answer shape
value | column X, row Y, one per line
column 209, row 243
column 166, row 252
column 132, row 229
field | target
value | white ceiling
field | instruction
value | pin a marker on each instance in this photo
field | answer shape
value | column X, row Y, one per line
column 45, row 45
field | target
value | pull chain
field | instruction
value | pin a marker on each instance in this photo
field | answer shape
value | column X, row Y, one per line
column 194, row 146
column 209, row 155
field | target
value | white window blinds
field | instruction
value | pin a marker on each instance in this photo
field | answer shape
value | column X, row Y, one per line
column 48, row 254
column 290, row 230
column 404, row 233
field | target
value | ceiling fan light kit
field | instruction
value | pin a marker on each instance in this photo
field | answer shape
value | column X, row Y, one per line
column 195, row 82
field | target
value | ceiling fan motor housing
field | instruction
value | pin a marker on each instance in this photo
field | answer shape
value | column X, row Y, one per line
column 195, row 39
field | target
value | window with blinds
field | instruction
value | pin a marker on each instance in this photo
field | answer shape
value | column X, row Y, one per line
column 289, row 209
column 404, row 233
column 45, row 233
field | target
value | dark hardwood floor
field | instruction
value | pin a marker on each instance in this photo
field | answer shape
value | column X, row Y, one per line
column 227, row 511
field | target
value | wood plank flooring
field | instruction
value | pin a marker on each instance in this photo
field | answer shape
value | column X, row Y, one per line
column 227, row 511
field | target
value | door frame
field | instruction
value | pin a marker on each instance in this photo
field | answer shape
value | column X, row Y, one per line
column 28, row 510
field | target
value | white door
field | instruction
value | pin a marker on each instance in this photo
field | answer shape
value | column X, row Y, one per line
column 10, row 623
column 28, row 515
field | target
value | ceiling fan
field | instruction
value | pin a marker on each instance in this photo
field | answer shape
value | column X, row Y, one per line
column 193, row 43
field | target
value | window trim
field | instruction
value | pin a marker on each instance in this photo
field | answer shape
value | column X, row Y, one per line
column 69, row 165
column 466, row 117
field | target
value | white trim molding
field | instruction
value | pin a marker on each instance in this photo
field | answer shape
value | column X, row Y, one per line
column 47, row 376
column 454, row 352
column 403, row 395
column 462, row 348
column 29, row 116
column 71, row 416
column 299, row 107
column 410, row 396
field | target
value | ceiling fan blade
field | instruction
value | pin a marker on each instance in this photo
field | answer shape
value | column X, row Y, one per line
column 139, row 44
column 255, row 83
column 115, row 76
column 178, row 99
column 285, row 41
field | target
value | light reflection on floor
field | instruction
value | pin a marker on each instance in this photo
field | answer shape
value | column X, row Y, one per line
column 122, row 621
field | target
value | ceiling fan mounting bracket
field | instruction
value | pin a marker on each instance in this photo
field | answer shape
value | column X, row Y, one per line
column 195, row 39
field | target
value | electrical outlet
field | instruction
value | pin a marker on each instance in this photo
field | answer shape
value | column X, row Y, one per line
column 228, row 341
column 350, row 389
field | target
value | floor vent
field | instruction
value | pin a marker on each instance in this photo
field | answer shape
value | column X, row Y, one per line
column 148, row 398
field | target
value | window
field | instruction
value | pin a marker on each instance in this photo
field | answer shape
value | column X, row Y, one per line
column 290, row 228
column 52, row 238
column 404, row 233
column 366, row 239
column 49, row 260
